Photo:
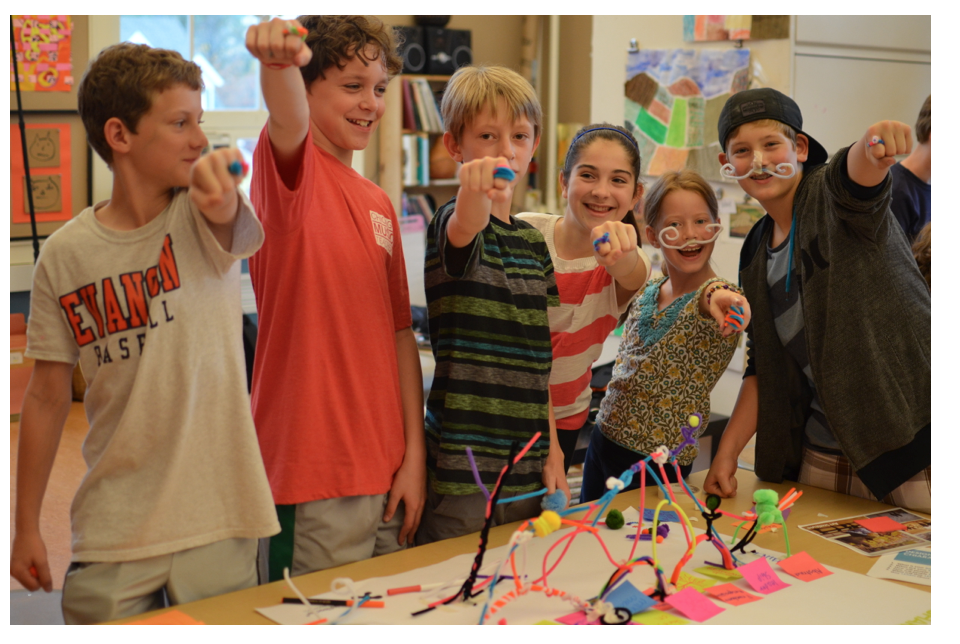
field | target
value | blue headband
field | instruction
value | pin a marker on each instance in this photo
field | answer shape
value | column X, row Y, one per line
column 612, row 129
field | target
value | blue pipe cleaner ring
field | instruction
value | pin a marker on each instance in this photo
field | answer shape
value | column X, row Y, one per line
column 237, row 168
column 603, row 239
column 875, row 141
column 504, row 172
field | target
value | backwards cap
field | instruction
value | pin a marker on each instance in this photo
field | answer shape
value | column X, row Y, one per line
column 766, row 103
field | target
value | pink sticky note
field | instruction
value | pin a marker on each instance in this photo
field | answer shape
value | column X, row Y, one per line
column 803, row 566
column 881, row 524
column 578, row 618
column 732, row 595
column 694, row 605
column 761, row 577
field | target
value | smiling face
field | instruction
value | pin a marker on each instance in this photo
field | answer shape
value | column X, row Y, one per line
column 496, row 135
column 168, row 140
column 687, row 213
column 601, row 187
column 347, row 104
column 774, row 148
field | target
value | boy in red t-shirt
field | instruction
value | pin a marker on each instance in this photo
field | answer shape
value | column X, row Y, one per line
column 337, row 388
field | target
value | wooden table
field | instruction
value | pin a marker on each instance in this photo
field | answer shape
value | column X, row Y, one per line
column 238, row 607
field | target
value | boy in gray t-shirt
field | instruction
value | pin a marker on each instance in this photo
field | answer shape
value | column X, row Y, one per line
column 143, row 291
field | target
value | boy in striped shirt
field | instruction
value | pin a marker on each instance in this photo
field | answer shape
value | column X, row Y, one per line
column 489, row 280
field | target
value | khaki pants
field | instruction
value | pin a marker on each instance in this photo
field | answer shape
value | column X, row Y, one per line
column 330, row 532
column 103, row 591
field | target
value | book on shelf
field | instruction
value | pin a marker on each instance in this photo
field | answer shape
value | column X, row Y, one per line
column 416, row 159
column 420, row 109
column 417, row 205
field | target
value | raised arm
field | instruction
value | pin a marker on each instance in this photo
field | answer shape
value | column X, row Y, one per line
column 281, row 51
column 46, row 404
column 479, row 190
column 870, row 158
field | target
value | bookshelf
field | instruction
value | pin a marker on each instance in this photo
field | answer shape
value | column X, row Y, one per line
column 406, row 137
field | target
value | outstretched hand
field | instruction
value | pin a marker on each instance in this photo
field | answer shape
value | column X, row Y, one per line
column 721, row 302
column 278, row 43
column 611, row 241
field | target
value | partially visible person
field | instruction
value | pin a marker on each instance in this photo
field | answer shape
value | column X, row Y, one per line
column 911, row 180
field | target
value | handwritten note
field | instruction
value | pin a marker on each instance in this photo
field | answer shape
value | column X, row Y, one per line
column 719, row 573
column 694, row 605
column 731, row 594
column 626, row 595
column 803, row 566
column 881, row 524
column 686, row 580
column 761, row 577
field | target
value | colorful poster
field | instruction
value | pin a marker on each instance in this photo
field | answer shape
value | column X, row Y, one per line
column 43, row 53
column 49, row 156
column 673, row 101
column 712, row 28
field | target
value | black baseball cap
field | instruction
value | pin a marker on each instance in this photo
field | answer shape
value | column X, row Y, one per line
column 766, row 103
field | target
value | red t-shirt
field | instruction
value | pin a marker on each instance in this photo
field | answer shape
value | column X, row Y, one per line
column 331, row 292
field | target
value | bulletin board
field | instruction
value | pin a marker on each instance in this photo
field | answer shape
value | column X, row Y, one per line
column 58, row 100
column 59, row 169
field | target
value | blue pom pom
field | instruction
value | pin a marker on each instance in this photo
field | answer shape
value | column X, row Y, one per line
column 556, row 501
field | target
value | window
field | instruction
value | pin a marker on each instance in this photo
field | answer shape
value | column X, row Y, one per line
column 216, row 44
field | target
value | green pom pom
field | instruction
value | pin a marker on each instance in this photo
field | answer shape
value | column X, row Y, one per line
column 615, row 519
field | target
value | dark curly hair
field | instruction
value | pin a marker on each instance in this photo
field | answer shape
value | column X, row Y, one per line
column 335, row 40
column 122, row 81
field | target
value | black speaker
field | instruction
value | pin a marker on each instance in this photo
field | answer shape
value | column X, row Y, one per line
column 447, row 49
column 412, row 50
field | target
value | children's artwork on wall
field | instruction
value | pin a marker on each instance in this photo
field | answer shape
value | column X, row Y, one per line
column 713, row 28
column 673, row 101
column 45, row 44
column 58, row 156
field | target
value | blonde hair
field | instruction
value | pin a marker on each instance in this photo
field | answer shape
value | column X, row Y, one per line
column 679, row 180
column 782, row 128
column 472, row 88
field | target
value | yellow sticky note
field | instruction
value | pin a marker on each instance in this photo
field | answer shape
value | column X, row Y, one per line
column 548, row 622
column 688, row 580
column 655, row 617
column 719, row 573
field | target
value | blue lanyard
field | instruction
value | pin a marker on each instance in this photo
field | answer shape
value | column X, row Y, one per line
column 793, row 227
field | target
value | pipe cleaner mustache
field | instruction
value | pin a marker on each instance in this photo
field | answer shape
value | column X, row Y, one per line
column 666, row 239
column 727, row 171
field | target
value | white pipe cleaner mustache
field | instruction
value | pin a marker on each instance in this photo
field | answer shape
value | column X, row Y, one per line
column 674, row 236
column 781, row 171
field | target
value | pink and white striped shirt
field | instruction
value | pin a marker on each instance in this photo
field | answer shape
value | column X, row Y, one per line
column 588, row 312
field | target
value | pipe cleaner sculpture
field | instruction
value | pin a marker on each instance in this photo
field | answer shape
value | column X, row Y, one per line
column 769, row 510
column 780, row 171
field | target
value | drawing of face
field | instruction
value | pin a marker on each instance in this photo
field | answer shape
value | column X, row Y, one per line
column 43, row 147
column 46, row 193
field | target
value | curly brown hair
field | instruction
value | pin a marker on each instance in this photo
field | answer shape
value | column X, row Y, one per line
column 921, row 252
column 335, row 40
column 122, row 81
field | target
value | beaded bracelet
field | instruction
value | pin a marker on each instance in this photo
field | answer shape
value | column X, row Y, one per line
column 720, row 285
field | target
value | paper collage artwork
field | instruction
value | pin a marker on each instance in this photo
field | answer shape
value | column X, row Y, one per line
column 43, row 45
column 673, row 99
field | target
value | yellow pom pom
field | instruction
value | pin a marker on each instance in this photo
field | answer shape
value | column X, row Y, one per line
column 693, row 421
column 547, row 522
